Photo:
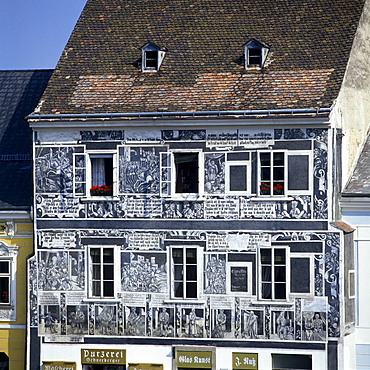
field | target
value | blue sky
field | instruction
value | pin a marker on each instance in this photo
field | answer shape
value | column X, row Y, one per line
column 33, row 33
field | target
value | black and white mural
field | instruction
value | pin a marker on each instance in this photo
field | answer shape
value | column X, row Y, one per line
column 144, row 308
column 61, row 174
column 228, row 223
column 144, row 272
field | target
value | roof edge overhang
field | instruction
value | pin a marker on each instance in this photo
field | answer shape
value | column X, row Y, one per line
column 310, row 113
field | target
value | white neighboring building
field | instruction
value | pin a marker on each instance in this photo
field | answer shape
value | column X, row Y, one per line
column 356, row 211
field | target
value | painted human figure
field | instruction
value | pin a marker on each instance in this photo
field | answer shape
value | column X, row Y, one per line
column 163, row 319
column 250, row 331
column 50, row 323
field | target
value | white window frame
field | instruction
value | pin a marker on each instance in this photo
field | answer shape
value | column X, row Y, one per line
column 310, row 172
column 116, row 269
column 244, row 163
column 260, row 181
column 255, row 45
column 9, row 254
column 171, row 168
column 101, row 154
column 272, row 282
column 151, row 48
column 249, row 266
column 199, row 272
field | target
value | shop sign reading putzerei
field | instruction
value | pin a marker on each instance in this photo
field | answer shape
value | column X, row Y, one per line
column 103, row 356
column 245, row 361
column 58, row 365
column 194, row 359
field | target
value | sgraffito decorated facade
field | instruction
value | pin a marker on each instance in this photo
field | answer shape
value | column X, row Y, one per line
column 242, row 253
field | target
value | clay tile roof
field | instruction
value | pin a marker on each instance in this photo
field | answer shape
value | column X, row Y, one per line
column 203, row 69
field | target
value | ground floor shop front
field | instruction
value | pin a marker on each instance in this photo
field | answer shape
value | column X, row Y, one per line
column 182, row 357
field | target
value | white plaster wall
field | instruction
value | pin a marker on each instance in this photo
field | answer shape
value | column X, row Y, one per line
column 134, row 353
column 357, row 214
column 224, row 357
column 163, row 355
column 351, row 111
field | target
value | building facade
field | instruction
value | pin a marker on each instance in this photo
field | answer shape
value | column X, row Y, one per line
column 186, row 178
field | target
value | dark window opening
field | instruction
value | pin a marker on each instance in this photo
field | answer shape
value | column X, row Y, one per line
column 186, row 165
column 151, row 59
column 4, row 361
column 254, row 57
column 4, row 281
column 291, row 362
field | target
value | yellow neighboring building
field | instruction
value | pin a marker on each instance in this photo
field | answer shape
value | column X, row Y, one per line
column 16, row 243
column 19, row 95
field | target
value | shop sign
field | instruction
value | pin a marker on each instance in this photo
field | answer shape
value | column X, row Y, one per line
column 194, row 359
column 58, row 365
column 103, row 356
column 145, row 366
column 245, row 361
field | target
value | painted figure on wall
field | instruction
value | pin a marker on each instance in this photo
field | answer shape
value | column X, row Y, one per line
column 77, row 320
column 163, row 322
column 135, row 321
column 214, row 173
column 250, row 321
column 143, row 272
column 54, row 170
column 314, row 328
column 139, row 170
column 215, row 275
column 60, row 270
column 105, row 320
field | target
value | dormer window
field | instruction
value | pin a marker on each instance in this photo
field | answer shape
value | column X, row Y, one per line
column 255, row 54
column 152, row 57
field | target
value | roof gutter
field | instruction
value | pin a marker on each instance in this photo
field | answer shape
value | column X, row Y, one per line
column 229, row 113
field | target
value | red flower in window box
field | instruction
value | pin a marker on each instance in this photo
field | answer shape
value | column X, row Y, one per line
column 103, row 190
column 265, row 188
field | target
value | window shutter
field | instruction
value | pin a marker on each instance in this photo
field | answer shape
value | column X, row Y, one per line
column 298, row 172
column 165, row 180
column 79, row 163
column 115, row 174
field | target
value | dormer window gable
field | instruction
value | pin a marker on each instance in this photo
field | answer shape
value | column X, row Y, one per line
column 255, row 54
column 152, row 57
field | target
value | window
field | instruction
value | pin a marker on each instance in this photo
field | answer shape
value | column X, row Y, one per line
column 273, row 273
column 101, row 174
column 185, row 272
column 271, row 173
column 238, row 174
column 5, row 279
column 180, row 174
column 4, row 361
column 291, row 362
column 102, row 272
column 186, row 169
column 254, row 57
column 255, row 54
column 152, row 57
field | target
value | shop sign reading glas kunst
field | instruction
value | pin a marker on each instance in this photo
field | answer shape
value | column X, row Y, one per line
column 194, row 359
column 103, row 356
